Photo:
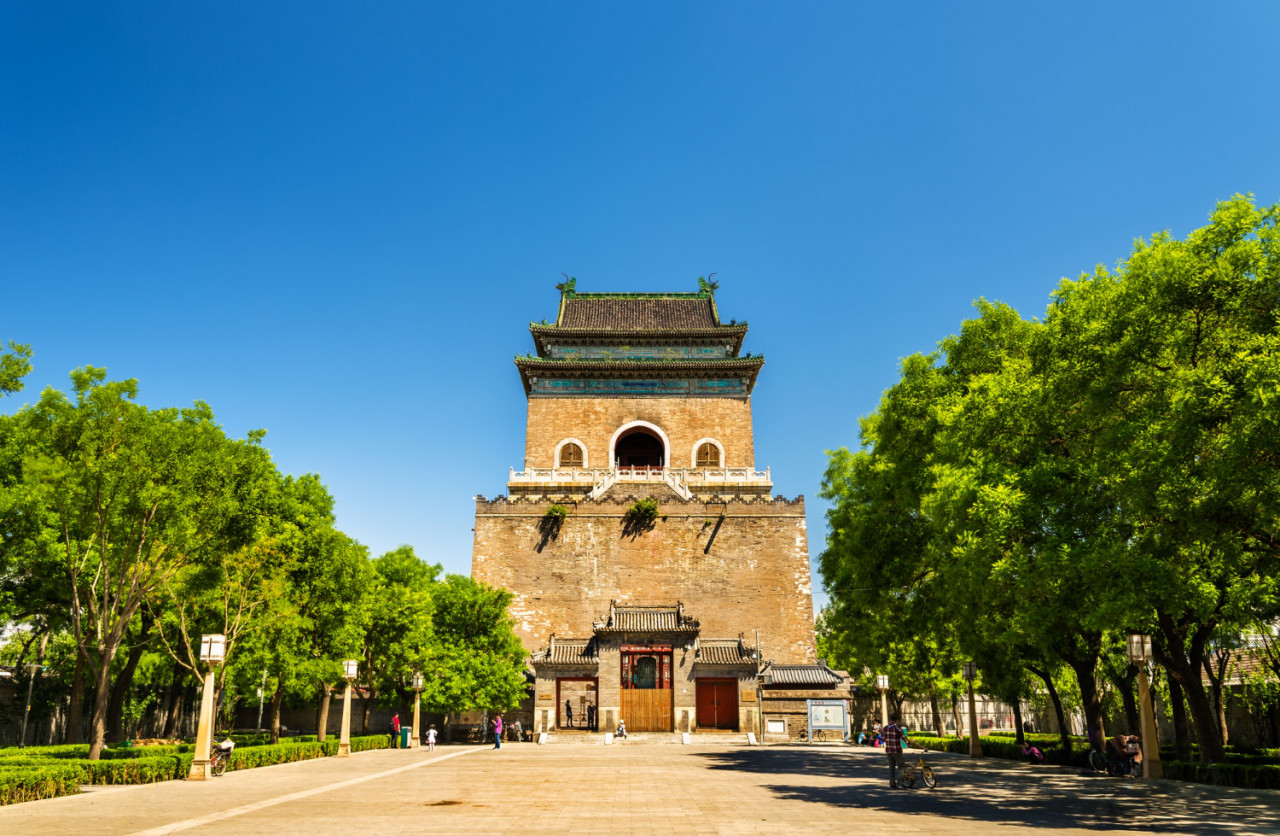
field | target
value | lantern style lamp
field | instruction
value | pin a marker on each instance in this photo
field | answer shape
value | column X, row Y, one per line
column 882, row 682
column 975, row 745
column 213, row 652
column 1140, row 649
column 1140, row 654
column 417, row 705
column 350, row 670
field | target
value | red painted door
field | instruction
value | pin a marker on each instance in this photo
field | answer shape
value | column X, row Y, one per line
column 717, row 704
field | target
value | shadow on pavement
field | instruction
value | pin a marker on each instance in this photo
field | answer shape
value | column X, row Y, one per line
column 1008, row 793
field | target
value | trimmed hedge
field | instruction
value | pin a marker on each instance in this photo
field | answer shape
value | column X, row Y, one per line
column 373, row 741
column 1004, row 749
column 254, row 756
column 51, row 771
column 1247, row 776
column 28, row 784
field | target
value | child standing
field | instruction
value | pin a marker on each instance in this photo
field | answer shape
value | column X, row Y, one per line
column 431, row 738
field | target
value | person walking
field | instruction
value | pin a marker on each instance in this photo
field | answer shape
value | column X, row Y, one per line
column 395, row 731
column 431, row 738
column 892, row 735
column 568, row 711
column 591, row 717
column 497, row 731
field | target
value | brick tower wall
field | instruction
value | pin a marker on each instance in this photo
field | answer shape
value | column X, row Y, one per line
column 744, row 571
column 593, row 421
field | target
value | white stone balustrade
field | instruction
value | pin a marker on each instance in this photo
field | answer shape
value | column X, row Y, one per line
column 596, row 475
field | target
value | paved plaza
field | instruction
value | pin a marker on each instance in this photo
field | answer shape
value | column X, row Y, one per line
column 645, row 789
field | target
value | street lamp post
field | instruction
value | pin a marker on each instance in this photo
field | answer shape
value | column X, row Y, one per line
column 1140, row 654
column 350, row 668
column 882, row 682
column 213, row 651
column 417, row 704
column 975, row 745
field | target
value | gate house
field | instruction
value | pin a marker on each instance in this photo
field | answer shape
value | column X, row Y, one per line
column 645, row 618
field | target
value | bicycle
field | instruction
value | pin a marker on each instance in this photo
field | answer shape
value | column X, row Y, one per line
column 218, row 759
column 1129, row 767
column 919, row 768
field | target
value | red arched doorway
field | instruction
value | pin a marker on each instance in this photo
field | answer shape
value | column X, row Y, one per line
column 639, row 447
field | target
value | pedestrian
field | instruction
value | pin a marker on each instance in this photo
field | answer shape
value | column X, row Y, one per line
column 622, row 729
column 431, row 738
column 892, row 735
column 1031, row 753
column 591, row 717
column 497, row 731
column 395, row 731
column 568, row 712
column 517, row 730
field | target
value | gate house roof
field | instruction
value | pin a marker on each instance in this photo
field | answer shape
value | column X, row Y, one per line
column 725, row 652
column 785, row 675
column 568, row 652
column 647, row 620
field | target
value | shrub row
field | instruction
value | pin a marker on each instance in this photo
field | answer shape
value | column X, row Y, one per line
column 1248, row 776
column 51, row 771
column 373, row 741
column 122, row 771
column 34, row 783
column 1002, row 748
column 254, row 756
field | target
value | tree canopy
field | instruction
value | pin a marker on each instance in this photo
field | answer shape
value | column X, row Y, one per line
column 1035, row 489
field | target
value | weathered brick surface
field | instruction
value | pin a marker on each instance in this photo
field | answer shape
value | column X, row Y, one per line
column 748, row 570
column 594, row 421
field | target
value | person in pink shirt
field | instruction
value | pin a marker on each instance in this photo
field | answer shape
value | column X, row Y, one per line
column 497, row 731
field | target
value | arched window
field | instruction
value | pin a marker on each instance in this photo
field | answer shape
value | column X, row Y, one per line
column 570, row 455
column 708, row 455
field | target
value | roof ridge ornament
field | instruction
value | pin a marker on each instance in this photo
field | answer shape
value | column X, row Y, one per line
column 705, row 284
column 568, row 285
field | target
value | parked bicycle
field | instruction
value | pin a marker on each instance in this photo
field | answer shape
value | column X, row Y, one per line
column 1126, row 760
column 220, row 756
column 919, row 770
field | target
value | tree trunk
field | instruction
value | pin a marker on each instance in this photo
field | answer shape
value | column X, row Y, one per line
column 1182, row 659
column 1181, row 734
column 102, row 693
column 174, row 714
column 1090, row 699
column 120, row 691
column 75, row 708
column 1131, row 716
column 1215, row 666
column 937, row 715
column 1064, row 734
column 1017, row 719
column 955, row 712
column 277, row 700
column 322, row 720
column 366, row 706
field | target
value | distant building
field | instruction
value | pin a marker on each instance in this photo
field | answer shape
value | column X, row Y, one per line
column 630, row 614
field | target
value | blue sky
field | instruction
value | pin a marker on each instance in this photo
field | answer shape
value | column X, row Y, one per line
column 335, row 222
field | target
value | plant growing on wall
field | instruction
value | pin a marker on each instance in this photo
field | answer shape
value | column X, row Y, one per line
column 640, row 517
column 549, row 525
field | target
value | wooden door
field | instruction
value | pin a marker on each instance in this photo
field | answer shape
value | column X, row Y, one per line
column 717, row 704
column 647, row 709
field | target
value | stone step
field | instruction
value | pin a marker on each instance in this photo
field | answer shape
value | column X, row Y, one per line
column 651, row 738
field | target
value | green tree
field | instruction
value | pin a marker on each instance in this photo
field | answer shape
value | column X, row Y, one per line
column 475, row 660
column 398, row 608
column 15, row 364
column 134, row 496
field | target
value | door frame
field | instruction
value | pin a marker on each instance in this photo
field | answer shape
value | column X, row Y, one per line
column 560, row 703
column 732, row 682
